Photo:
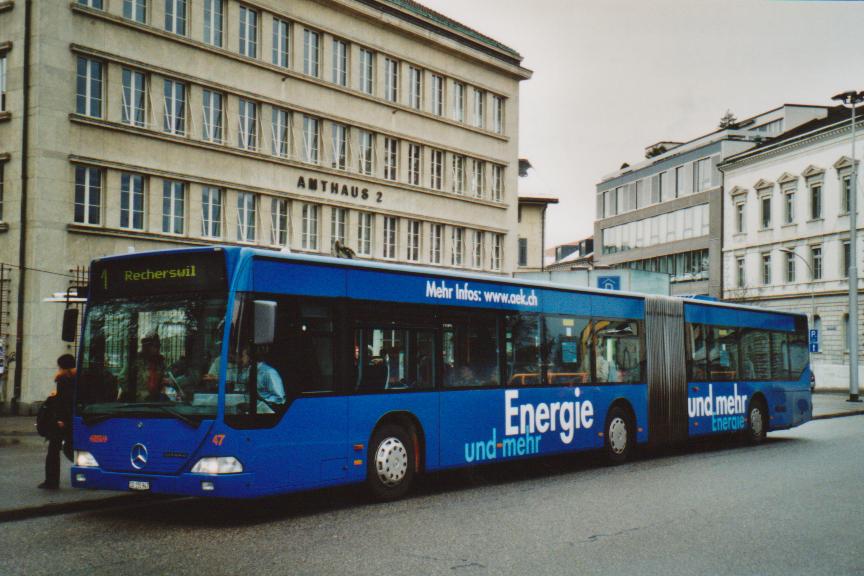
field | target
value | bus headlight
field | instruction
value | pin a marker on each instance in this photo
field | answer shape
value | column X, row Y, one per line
column 218, row 465
column 85, row 459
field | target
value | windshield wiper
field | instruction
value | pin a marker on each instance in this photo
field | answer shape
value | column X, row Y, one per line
column 132, row 407
column 168, row 409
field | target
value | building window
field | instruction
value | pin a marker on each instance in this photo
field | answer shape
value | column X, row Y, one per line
column 212, row 110
column 766, row 269
column 281, row 136
column 457, row 246
column 845, row 330
column 701, row 175
column 458, row 174
column 279, row 222
column 740, row 222
column 246, row 217
column 415, row 96
column 679, row 181
column 3, row 82
column 175, row 16
column 340, row 147
column 89, row 87
column 247, row 135
column 415, row 161
column 133, row 97
column 367, row 152
column 436, row 176
column 458, row 101
column 211, row 212
column 367, row 71
column 248, row 32
column 437, row 95
column 523, row 252
column 338, row 226
column 309, row 233
column 390, row 237
column 364, row 233
column 845, row 194
column 765, row 203
column 478, row 183
column 497, row 245
column 132, row 201
column 340, row 62
column 311, row 52
column 479, row 109
column 790, row 266
column 135, row 10
column 497, row 182
column 310, row 139
column 476, row 249
column 391, row 79
column 91, row 3
column 816, row 201
column 391, row 158
column 414, row 227
column 1, row 190
column 88, row 195
column 173, row 206
column 789, row 206
column 281, row 42
column 498, row 114
column 739, row 267
column 816, row 261
column 175, row 107
column 213, row 13
column 845, row 259
column 436, row 243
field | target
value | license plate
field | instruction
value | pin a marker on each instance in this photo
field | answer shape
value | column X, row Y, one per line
column 139, row 485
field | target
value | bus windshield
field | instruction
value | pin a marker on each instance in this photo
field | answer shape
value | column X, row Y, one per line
column 152, row 356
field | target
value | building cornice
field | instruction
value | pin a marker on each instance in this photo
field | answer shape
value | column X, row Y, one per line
column 801, row 239
column 271, row 101
column 324, row 200
column 6, row 5
column 116, row 126
column 290, row 73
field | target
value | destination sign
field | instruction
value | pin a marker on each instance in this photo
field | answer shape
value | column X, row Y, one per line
column 158, row 274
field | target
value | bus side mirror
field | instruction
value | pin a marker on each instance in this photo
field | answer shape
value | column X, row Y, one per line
column 265, row 322
column 70, row 324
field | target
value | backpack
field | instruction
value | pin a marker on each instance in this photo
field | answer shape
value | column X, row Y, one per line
column 46, row 418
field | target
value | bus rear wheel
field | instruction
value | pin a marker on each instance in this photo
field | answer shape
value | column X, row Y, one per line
column 390, row 464
column 757, row 422
column 619, row 435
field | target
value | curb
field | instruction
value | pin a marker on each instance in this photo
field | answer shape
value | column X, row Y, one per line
column 70, row 507
column 838, row 415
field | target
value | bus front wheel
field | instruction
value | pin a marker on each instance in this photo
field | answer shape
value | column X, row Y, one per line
column 390, row 462
column 619, row 435
column 757, row 422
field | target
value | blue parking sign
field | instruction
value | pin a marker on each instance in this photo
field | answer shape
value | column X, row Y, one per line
column 814, row 336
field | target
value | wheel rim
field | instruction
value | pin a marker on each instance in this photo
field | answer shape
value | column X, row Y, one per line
column 756, row 423
column 391, row 461
column 618, row 435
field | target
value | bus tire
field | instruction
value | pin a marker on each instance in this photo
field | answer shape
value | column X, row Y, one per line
column 619, row 435
column 390, row 465
column 757, row 421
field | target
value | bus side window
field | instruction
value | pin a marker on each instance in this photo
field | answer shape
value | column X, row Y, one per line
column 755, row 355
column 567, row 350
column 394, row 359
column 618, row 352
column 779, row 356
column 523, row 350
column 470, row 353
column 303, row 352
column 697, row 344
column 723, row 353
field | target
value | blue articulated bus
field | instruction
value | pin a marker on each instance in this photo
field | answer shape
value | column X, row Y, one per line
column 235, row 372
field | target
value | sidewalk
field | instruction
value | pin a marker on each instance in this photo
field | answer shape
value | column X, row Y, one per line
column 22, row 458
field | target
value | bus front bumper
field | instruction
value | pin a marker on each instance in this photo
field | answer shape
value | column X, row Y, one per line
column 187, row 484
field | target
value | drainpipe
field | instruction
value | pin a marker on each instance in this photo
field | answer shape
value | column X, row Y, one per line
column 22, row 241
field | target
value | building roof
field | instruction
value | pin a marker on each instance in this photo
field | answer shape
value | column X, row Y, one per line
column 836, row 115
column 439, row 19
column 537, row 200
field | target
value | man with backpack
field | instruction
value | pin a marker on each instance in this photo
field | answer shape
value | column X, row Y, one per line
column 54, row 421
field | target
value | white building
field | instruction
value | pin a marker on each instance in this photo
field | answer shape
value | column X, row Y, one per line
column 786, row 232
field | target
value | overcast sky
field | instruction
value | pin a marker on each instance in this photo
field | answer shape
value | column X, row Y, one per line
column 613, row 76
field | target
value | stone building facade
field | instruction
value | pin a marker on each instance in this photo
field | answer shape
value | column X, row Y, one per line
column 786, row 233
column 130, row 125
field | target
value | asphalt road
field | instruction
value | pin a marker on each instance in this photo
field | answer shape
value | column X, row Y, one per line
column 794, row 505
